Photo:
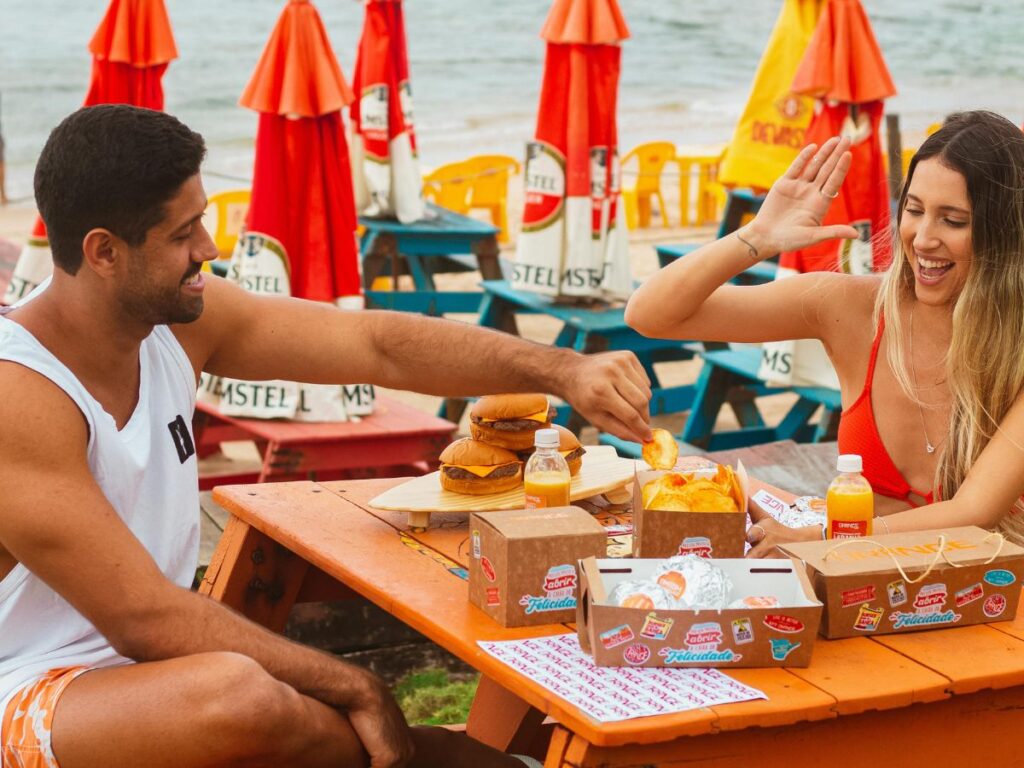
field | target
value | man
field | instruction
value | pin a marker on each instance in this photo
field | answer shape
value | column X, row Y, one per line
column 98, row 527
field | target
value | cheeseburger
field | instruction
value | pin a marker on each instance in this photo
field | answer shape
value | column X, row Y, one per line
column 568, row 446
column 510, row 420
column 469, row 466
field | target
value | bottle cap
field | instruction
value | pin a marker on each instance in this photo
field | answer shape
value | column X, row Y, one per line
column 546, row 438
column 850, row 462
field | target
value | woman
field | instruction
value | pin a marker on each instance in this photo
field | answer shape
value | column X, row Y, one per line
column 939, row 419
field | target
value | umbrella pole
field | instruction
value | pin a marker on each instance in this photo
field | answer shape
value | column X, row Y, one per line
column 894, row 146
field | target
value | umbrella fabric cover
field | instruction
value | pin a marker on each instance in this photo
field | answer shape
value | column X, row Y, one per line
column 300, row 229
column 844, row 70
column 131, row 49
column 574, row 240
column 387, row 174
column 770, row 132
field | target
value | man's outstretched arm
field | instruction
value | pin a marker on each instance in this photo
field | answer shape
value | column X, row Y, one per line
column 256, row 337
column 56, row 521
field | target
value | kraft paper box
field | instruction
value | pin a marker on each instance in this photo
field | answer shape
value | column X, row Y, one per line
column 522, row 568
column 664, row 533
column 781, row 636
column 975, row 579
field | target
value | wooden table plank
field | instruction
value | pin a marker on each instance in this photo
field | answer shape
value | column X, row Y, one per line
column 368, row 555
column 973, row 658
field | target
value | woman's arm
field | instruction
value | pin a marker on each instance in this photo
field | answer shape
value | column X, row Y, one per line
column 989, row 491
column 688, row 299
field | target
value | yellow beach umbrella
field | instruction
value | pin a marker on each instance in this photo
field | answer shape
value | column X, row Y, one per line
column 771, row 129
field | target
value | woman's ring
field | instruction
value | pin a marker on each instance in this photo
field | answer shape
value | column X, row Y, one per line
column 762, row 530
column 833, row 196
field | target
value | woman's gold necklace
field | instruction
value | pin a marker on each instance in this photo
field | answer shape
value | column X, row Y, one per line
column 917, row 398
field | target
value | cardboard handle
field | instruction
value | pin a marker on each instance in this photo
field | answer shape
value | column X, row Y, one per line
column 939, row 553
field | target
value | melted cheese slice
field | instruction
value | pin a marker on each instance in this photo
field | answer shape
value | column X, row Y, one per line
column 540, row 417
column 477, row 470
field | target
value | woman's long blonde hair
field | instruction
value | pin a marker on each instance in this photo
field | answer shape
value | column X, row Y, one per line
column 985, row 361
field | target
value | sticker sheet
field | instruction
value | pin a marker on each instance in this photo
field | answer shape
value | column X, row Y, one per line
column 608, row 694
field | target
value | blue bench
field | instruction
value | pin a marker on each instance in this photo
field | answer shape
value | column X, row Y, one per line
column 444, row 241
column 586, row 330
column 739, row 203
column 729, row 377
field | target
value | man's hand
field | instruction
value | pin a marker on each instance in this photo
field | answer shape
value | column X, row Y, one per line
column 381, row 726
column 612, row 391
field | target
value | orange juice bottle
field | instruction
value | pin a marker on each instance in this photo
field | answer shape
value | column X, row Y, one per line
column 849, row 504
column 547, row 475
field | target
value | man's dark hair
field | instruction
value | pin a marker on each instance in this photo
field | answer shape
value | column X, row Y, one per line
column 111, row 166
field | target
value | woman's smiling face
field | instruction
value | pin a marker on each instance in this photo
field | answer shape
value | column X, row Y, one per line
column 935, row 227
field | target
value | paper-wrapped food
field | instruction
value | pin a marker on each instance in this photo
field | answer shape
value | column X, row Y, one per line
column 693, row 582
column 640, row 594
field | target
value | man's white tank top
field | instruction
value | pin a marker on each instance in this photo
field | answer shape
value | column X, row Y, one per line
column 147, row 471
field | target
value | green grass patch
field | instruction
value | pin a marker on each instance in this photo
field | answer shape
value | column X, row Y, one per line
column 432, row 697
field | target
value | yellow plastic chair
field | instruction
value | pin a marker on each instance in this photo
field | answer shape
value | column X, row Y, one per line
column 448, row 187
column 229, row 209
column 489, row 187
column 709, row 196
column 646, row 182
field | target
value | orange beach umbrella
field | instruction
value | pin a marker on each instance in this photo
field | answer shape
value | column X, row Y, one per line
column 844, row 70
column 301, row 221
column 384, row 157
column 574, row 239
column 131, row 49
column 299, row 237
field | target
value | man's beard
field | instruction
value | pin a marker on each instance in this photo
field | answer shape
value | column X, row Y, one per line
column 160, row 305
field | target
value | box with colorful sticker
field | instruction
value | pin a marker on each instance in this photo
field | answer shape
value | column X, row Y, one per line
column 774, row 622
column 903, row 582
column 522, row 566
column 662, row 527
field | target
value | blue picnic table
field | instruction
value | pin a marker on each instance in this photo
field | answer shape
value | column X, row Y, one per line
column 443, row 241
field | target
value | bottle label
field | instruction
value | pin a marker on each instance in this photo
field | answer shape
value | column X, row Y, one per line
column 847, row 529
column 535, row 502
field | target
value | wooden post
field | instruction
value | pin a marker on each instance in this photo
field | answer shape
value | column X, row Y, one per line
column 894, row 144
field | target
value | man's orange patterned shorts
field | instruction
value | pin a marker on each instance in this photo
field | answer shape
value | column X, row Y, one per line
column 25, row 730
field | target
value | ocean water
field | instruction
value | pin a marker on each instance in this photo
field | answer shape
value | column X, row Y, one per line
column 476, row 68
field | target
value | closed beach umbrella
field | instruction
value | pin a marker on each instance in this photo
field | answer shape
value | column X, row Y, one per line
column 574, row 238
column 387, row 173
column 131, row 49
column 844, row 71
column 770, row 132
column 300, row 230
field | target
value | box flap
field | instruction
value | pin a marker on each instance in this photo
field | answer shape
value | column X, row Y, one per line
column 914, row 551
column 594, row 581
column 530, row 523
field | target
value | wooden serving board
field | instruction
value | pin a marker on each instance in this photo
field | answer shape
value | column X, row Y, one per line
column 602, row 471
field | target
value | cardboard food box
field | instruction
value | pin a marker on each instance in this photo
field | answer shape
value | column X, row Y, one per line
column 664, row 533
column 781, row 636
column 975, row 578
column 522, row 569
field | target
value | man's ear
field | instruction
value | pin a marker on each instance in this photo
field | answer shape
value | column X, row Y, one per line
column 101, row 251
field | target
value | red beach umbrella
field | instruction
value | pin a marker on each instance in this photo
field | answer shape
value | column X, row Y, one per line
column 574, row 239
column 300, row 229
column 844, row 70
column 131, row 49
column 387, row 174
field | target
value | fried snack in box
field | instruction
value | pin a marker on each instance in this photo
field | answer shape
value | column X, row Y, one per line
column 688, row 493
column 662, row 450
column 701, row 512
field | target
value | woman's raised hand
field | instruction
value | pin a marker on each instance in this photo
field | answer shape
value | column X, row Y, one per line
column 790, row 217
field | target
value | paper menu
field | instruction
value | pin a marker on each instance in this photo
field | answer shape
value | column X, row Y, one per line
column 609, row 694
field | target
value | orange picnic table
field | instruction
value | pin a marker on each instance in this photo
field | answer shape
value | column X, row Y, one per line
column 935, row 698
column 396, row 439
